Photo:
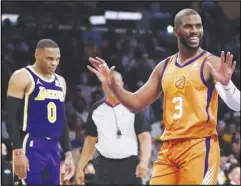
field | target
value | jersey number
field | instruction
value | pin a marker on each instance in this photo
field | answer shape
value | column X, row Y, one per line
column 51, row 107
column 178, row 107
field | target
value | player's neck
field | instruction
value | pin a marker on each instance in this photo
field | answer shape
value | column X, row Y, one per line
column 39, row 71
column 111, row 100
column 185, row 54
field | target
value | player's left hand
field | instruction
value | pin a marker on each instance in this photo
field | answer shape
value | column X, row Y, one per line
column 224, row 72
column 69, row 168
column 102, row 71
column 142, row 169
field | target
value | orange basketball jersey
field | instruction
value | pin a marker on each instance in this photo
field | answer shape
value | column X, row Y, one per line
column 190, row 103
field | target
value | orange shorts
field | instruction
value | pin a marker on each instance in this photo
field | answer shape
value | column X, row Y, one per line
column 189, row 161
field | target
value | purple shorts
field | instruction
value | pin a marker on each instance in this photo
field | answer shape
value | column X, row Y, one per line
column 44, row 160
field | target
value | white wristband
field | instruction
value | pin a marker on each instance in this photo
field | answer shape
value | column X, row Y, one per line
column 229, row 94
column 230, row 85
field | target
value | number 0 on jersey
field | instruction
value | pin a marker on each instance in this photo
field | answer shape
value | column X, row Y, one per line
column 52, row 114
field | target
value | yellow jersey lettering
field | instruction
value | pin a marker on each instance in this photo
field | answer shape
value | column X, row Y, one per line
column 49, row 94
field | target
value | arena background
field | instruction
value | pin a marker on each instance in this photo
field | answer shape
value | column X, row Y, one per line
column 133, row 36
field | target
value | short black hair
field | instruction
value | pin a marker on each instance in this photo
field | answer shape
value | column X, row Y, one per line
column 232, row 167
column 47, row 43
column 182, row 13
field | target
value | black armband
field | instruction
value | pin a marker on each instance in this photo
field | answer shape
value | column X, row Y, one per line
column 141, row 124
column 12, row 125
column 64, row 139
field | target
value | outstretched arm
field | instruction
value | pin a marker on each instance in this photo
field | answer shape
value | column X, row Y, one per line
column 221, row 71
column 136, row 101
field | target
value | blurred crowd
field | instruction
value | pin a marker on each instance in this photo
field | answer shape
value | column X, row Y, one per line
column 134, row 55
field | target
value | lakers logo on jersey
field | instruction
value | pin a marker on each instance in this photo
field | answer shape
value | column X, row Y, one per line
column 179, row 84
column 49, row 94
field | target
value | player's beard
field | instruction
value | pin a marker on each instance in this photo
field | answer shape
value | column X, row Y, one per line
column 184, row 43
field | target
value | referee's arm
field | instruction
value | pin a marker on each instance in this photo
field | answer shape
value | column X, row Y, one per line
column 142, row 129
column 90, row 141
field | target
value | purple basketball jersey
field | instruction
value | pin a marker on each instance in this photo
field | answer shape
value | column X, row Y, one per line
column 44, row 107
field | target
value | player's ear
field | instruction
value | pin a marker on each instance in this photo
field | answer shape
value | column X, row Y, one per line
column 36, row 54
column 175, row 32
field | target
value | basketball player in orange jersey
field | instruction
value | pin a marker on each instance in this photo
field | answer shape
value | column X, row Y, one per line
column 190, row 153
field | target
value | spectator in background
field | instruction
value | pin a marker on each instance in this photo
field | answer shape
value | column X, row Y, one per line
column 5, row 136
column 80, row 107
column 84, row 89
column 114, row 54
column 236, row 147
column 91, row 35
column 80, row 134
column 7, row 65
column 110, row 36
column 223, row 167
column 96, row 96
column 221, row 127
column 78, row 141
column 227, row 137
column 70, row 112
column 233, row 174
column 91, row 49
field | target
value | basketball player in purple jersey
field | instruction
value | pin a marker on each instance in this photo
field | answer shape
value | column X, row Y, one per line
column 43, row 94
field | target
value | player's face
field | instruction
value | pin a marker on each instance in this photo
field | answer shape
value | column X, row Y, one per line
column 49, row 58
column 190, row 31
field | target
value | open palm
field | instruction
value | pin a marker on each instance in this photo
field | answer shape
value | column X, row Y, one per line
column 101, row 70
column 224, row 72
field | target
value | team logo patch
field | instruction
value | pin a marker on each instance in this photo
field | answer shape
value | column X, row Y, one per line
column 180, row 82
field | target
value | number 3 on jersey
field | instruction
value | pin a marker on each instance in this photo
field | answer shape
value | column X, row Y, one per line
column 51, row 109
column 178, row 107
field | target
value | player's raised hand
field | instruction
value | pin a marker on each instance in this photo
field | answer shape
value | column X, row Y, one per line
column 102, row 71
column 20, row 163
column 224, row 72
column 69, row 168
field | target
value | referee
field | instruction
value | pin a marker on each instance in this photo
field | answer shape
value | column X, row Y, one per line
column 115, row 132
